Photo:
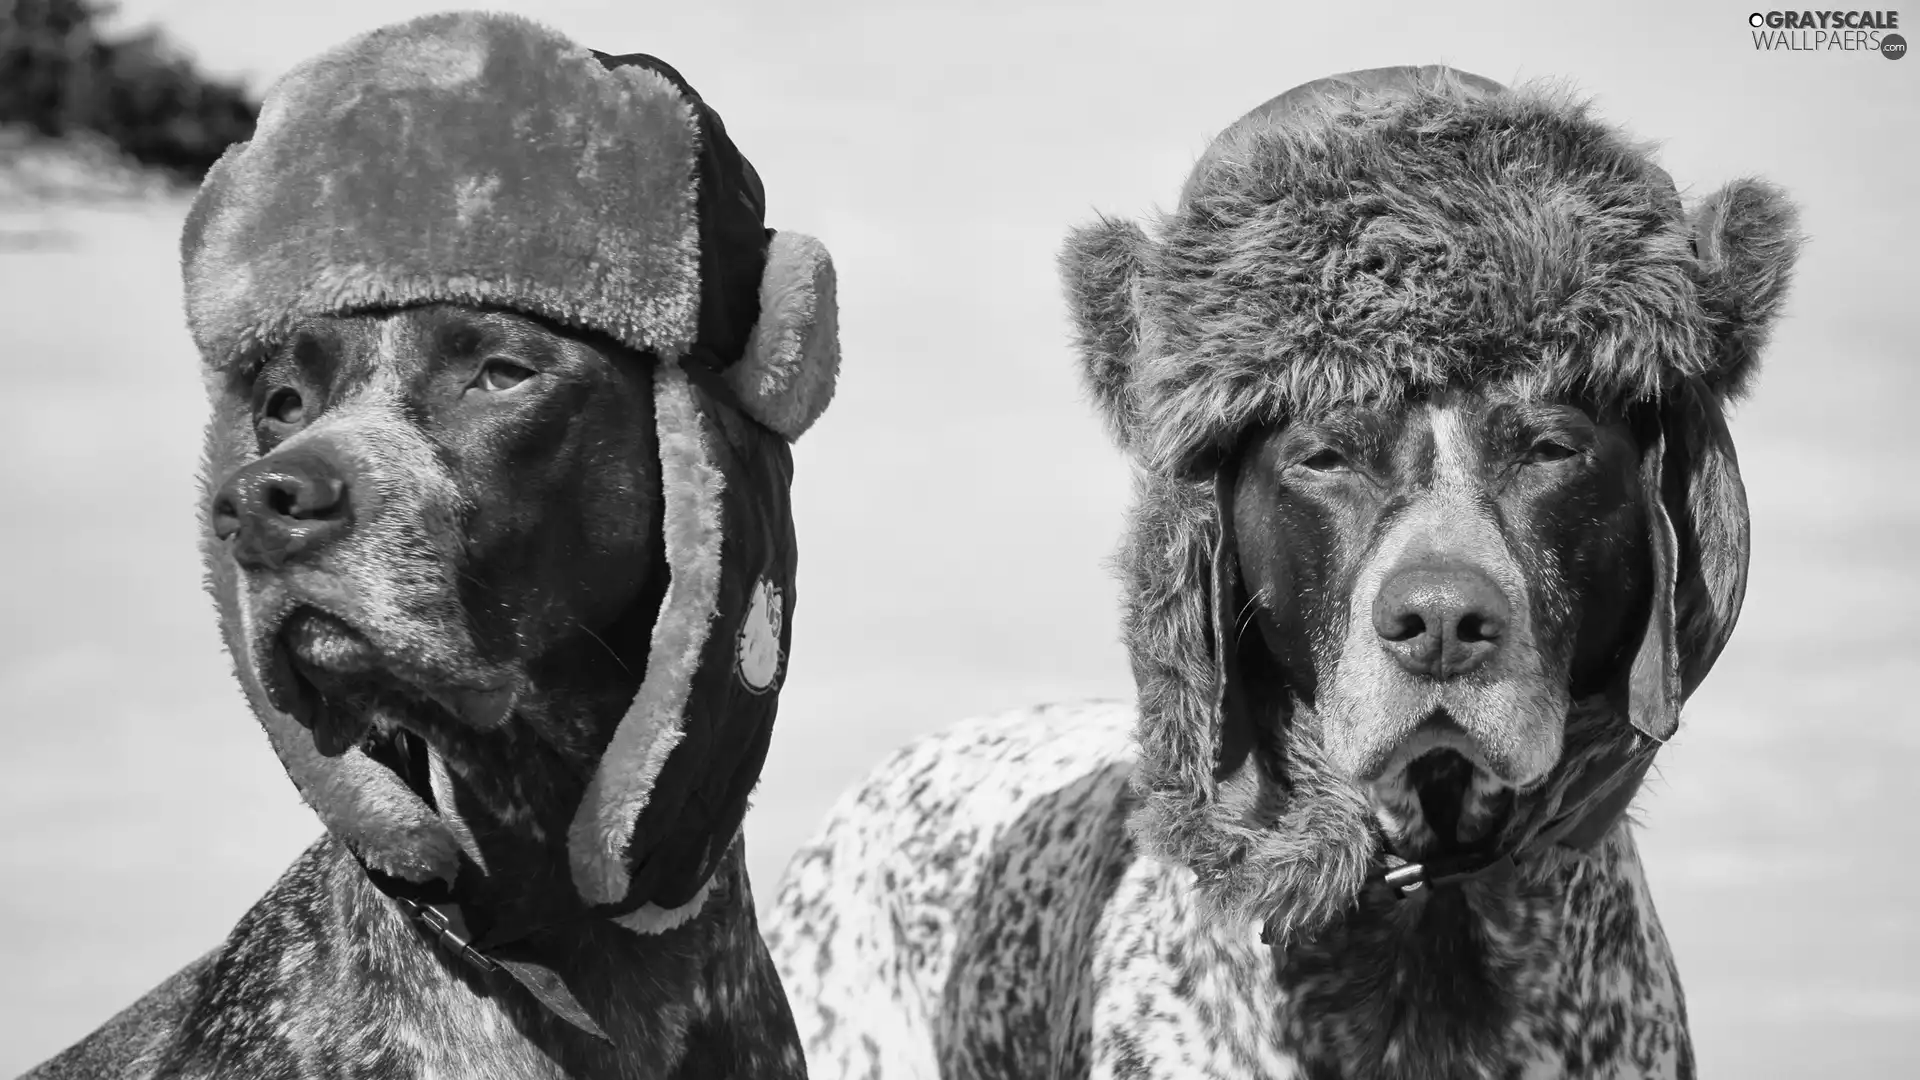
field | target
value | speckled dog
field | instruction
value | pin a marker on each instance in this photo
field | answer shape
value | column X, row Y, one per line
column 1437, row 524
column 504, row 366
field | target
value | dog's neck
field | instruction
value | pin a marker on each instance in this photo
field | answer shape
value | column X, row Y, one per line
column 1442, row 980
column 509, row 795
column 701, row 999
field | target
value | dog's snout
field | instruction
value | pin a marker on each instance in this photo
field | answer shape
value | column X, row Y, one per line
column 1440, row 621
column 281, row 508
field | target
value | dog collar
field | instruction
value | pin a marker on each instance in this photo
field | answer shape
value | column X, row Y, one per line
column 433, row 909
column 447, row 926
column 1591, row 810
column 1588, row 814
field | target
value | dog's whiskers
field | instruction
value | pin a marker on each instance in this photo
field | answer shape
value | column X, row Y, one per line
column 1244, row 619
column 604, row 645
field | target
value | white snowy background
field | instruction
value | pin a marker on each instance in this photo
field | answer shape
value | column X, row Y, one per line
column 958, row 502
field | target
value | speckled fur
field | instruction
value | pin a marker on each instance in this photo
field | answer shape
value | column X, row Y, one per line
column 976, row 909
column 1364, row 240
column 324, row 977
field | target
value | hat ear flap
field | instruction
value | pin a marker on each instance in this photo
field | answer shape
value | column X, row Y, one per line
column 1700, row 542
column 792, row 362
column 668, row 795
column 1101, row 267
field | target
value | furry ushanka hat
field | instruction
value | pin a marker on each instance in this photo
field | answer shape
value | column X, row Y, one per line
column 483, row 159
column 1361, row 239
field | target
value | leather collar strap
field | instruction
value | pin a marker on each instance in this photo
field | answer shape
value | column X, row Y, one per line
column 445, row 924
column 1590, row 812
column 432, row 908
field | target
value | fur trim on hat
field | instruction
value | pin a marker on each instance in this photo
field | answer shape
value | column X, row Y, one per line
column 485, row 160
column 477, row 159
column 654, row 725
column 1360, row 240
column 1405, row 235
column 793, row 359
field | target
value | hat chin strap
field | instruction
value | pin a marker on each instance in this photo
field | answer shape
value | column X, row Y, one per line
column 604, row 823
column 647, row 733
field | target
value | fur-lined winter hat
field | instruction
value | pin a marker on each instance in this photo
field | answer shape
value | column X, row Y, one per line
column 485, row 160
column 1359, row 240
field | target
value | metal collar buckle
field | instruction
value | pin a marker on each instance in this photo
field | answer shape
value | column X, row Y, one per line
column 1410, row 878
column 441, row 926
column 449, row 929
column 1407, row 879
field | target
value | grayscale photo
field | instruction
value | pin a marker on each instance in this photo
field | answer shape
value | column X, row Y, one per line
column 946, row 541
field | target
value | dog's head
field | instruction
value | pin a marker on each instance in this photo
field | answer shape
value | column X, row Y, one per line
column 443, row 521
column 1425, row 382
column 498, row 466
column 1432, row 586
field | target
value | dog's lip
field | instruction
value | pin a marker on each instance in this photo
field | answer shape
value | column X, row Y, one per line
column 317, row 656
column 312, row 658
column 1437, row 732
column 482, row 707
column 335, row 724
column 327, row 644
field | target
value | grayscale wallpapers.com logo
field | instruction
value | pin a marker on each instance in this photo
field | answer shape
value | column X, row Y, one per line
column 1827, row 31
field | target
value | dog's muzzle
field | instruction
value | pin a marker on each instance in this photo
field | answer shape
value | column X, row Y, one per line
column 311, row 655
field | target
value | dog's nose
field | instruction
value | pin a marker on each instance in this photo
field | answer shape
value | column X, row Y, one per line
column 281, row 508
column 1440, row 621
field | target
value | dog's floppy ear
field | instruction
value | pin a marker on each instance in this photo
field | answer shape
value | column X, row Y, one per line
column 1747, row 240
column 1235, row 737
column 1699, row 540
column 1101, row 266
column 786, row 379
column 1710, row 526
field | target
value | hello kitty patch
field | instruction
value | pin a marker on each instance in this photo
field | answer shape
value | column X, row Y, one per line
column 757, row 659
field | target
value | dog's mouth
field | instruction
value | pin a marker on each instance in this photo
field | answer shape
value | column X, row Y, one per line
column 333, row 681
column 1442, row 804
column 1464, row 806
column 321, row 672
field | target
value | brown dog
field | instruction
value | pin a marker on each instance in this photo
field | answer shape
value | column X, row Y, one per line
column 452, row 538
column 497, row 526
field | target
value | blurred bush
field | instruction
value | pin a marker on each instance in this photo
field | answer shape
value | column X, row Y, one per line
column 60, row 77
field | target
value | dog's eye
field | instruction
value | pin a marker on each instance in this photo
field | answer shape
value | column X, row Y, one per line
column 1549, row 450
column 499, row 375
column 1324, row 461
column 285, row 406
